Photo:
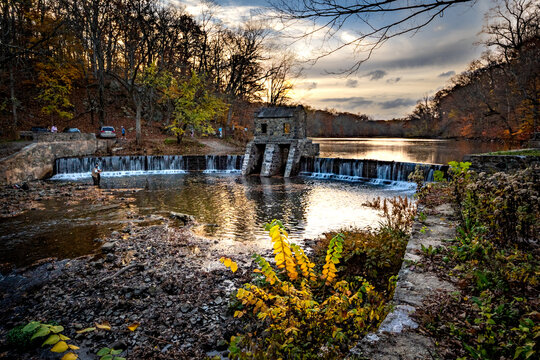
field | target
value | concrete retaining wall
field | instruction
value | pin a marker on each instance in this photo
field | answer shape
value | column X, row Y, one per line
column 496, row 163
column 36, row 161
column 398, row 337
column 49, row 137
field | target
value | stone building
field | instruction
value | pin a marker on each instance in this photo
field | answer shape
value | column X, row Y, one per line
column 279, row 142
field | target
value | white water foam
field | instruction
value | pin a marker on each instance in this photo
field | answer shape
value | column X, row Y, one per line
column 394, row 185
column 214, row 171
column 88, row 175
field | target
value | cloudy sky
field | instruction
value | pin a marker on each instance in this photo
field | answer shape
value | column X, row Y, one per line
column 397, row 75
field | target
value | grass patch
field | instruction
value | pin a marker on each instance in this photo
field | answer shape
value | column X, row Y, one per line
column 526, row 152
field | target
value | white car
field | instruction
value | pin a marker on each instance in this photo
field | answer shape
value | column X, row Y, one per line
column 107, row 132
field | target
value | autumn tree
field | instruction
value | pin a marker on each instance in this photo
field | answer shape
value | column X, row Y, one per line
column 26, row 30
column 194, row 104
column 497, row 96
column 425, row 116
column 243, row 74
column 56, row 83
column 513, row 31
column 93, row 22
column 282, row 71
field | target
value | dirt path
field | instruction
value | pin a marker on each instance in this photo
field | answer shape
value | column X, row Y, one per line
column 219, row 147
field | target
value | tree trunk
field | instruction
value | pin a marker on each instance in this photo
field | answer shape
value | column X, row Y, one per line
column 101, row 98
column 13, row 99
column 229, row 119
column 138, row 106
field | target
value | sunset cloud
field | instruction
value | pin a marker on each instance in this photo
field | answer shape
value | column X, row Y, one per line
column 447, row 74
column 398, row 73
column 376, row 75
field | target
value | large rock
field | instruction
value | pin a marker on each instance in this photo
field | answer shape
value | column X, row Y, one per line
column 187, row 219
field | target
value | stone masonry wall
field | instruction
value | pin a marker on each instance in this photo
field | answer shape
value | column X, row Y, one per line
column 496, row 163
column 271, row 161
column 49, row 137
column 36, row 161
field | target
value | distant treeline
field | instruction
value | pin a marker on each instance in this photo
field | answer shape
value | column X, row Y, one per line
column 322, row 123
column 497, row 97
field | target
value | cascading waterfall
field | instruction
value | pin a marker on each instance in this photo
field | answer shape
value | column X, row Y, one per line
column 222, row 164
column 373, row 171
column 76, row 168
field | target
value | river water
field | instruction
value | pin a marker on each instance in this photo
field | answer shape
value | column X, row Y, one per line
column 234, row 208
column 430, row 151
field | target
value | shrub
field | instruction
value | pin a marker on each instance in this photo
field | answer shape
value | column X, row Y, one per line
column 376, row 254
column 506, row 204
column 495, row 256
column 305, row 310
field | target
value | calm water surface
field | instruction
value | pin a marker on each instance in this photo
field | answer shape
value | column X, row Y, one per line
column 405, row 150
column 239, row 206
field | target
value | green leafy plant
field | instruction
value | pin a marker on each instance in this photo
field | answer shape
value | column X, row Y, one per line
column 528, row 333
column 106, row 353
column 438, row 176
column 493, row 257
column 430, row 251
column 24, row 336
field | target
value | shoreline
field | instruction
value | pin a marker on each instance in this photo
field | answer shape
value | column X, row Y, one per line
column 161, row 276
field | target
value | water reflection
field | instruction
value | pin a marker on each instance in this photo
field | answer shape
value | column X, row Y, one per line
column 234, row 208
column 405, row 150
column 240, row 206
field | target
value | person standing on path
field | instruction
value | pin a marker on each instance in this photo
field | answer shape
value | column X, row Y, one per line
column 123, row 133
column 96, row 174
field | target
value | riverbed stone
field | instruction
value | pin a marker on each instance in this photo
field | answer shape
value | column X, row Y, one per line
column 108, row 246
column 186, row 218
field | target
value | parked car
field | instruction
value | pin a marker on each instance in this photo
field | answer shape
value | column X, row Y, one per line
column 71, row 130
column 107, row 132
column 39, row 129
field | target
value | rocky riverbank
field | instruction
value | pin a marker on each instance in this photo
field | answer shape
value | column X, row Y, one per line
column 162, row 277
column 19, row 198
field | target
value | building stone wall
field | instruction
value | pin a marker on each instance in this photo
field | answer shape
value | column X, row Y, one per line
column 272, row 160
column 278, row 129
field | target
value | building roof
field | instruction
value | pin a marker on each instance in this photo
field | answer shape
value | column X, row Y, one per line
column 276, row 112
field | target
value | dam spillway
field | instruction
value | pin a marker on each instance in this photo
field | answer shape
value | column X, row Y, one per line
column 361, row 170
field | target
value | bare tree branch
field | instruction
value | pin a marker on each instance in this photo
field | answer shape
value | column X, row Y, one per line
column 381, row 19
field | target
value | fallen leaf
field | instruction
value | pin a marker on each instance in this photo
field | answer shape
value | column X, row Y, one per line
column 104, row 325
column 42, row 331
column 85, row 330
column 133, row 326
column 53, row 339
column 56, row 329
